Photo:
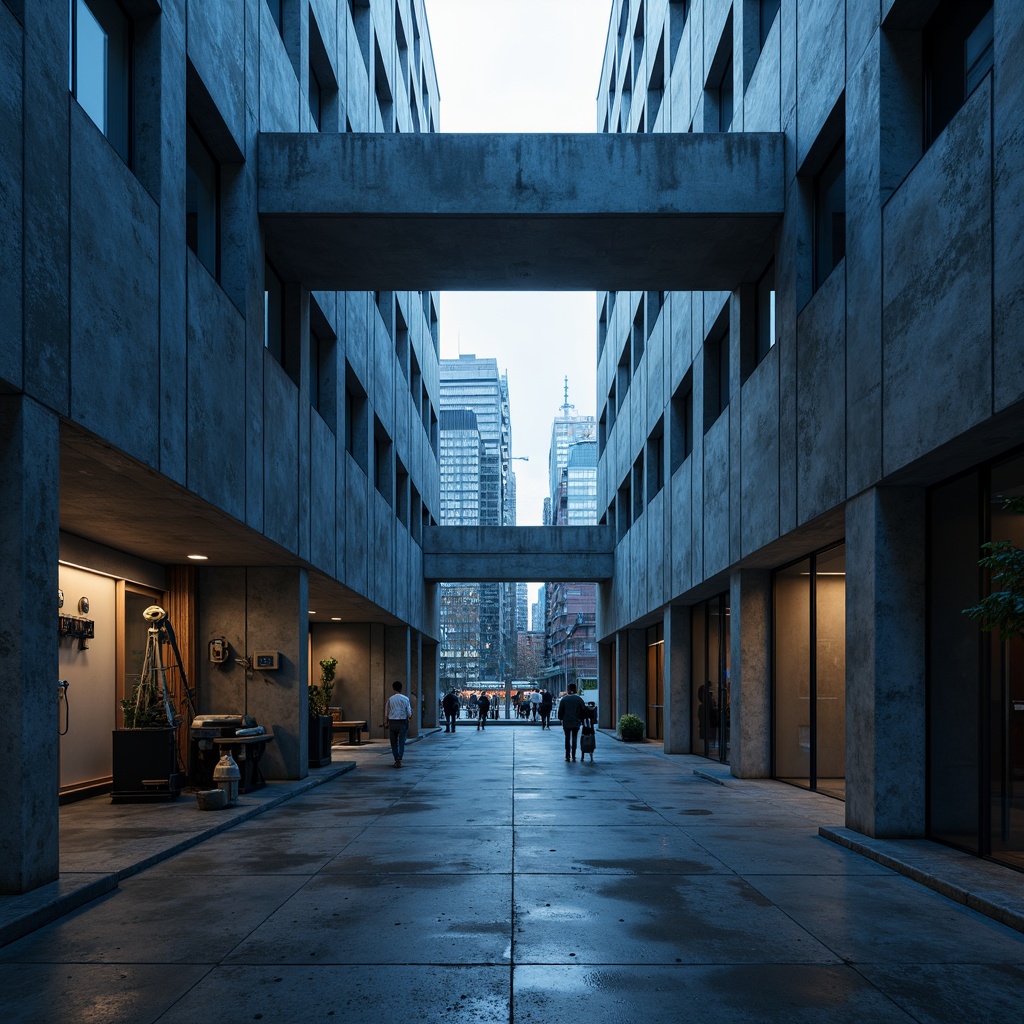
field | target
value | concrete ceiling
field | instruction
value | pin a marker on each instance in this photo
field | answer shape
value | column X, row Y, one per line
column 110, row 499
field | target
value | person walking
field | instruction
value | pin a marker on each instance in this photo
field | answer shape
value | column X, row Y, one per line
column 483, row 705
column 546, row 701
column 450, row 704
column 571, row 712
column 535, row 699
column 397, row 715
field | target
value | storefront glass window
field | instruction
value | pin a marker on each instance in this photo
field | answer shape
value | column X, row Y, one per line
column 810, row 672
column 711, row 678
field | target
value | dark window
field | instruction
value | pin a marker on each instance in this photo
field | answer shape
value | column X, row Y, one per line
column 355, row 418
column 958, row 53
column 383, row 457
column 656, row 460
column 830, row 215
column 725, row 98
column 768, row 11
column 639, row 337
column 764, row 314
column 273, row 313
column 678, row 12
column 716, row 374
column 322, row 366
column 622, row 507
column 315, row 98
column 602, row 327
column 277, row 13
column 638, row 487
column 681, row 436
column 100, row 68
column 656, row 86
column 202, row 202
column 624, row 375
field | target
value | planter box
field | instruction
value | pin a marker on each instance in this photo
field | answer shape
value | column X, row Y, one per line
column 145, row 766
column 321, row 733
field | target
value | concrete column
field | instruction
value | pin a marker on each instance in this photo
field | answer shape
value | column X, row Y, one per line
column 398, row 665
column 750, row 642
column 29, row 534
column 276, row 612
column 605, row 684
column 428, row 682
column 621, row 675
column 678, row 680
column 636, row 680
column 885, row 658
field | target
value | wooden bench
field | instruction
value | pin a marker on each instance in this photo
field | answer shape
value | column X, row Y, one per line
column 354, row 730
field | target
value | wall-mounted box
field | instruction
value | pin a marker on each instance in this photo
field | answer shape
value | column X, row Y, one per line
column 266, row 661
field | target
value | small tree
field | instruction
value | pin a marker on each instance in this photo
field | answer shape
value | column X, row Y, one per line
column 320, row 694
column 1003, row 609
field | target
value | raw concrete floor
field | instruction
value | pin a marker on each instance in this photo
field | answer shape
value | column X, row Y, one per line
column 489, row 880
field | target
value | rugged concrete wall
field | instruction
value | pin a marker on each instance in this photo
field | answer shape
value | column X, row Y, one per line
column 28, row 656
column 750, row 637
column 678, row 679
column 885, row 659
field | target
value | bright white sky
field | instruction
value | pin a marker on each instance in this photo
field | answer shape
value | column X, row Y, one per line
column 523, row 66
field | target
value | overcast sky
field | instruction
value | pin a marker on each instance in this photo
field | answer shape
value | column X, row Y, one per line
column 523, row 66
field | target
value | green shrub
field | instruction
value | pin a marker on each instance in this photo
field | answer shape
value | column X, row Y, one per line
column 320, row 696
column 631, row 728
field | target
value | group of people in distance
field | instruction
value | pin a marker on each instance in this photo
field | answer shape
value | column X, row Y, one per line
column 575, row 714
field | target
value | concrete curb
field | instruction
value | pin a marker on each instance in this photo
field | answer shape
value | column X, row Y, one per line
column 922, row 860
column 20, row 915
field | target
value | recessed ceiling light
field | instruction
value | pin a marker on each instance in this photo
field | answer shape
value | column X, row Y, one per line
column 311, row 612
column 335, row 618
column 198, row 558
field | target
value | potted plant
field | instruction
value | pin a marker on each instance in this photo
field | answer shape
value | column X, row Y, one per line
column 631, row 728
column 321, row 727
column 1003, row 609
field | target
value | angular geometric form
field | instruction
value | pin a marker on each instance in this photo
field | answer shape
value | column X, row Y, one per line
column 519, row 212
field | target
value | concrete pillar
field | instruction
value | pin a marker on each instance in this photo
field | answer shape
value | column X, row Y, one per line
column 29, row 537
column 398, row 665
column 621, row 675
column 750, row 642
column 606, row 675
column 277, row 619
column 428, row 682
column 677, row 680
column 885, row 658
column 636, row 681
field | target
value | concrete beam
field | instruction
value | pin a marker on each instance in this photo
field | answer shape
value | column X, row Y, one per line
column 486, row 554
column 519, row 212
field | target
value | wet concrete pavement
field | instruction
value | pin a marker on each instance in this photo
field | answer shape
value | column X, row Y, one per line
column 489, row 880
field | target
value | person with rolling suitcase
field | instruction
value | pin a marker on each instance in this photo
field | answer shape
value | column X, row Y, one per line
column 588, row 732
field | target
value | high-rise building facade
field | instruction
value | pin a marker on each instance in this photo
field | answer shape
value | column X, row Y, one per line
column 474, row 384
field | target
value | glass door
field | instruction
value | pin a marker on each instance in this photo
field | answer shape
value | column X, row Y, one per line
column 710, row 673
column 655, row 682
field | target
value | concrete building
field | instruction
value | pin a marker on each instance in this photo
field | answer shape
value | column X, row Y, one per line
column 186, row 421
column 475, row 384
column 806, row 222
column 800, row 468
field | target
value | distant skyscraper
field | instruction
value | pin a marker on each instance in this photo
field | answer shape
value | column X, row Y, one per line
column 571, row 608
column 475, row 385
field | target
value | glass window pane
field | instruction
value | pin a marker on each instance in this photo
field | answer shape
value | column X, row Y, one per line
column 91, row 65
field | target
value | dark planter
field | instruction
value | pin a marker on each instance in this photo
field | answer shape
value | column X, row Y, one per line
column 145, row 766
column 321, row 732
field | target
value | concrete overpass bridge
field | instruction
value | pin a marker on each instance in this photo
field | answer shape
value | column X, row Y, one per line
column 573, row 212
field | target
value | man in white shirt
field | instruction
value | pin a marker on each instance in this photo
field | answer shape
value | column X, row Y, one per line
column 397, row 713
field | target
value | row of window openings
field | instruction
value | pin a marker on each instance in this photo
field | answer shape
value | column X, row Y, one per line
column 957, row 53
column 716, row 371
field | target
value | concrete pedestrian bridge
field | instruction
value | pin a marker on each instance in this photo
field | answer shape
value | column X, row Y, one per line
column 582, row 212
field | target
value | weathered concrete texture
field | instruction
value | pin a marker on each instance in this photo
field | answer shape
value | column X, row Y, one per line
column 759, row 455
column 456, row 554
column 938, row 286
column 678, row 679
column 511, row 212
column 11, row 198
column 216, row 435
column 716, row 505
column 28, row 574
column 1008, row 207
column 885, row 658
column 821, row 419
column 750, row 635
column 115, row 297
column 820, row 67
column 216, row 52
